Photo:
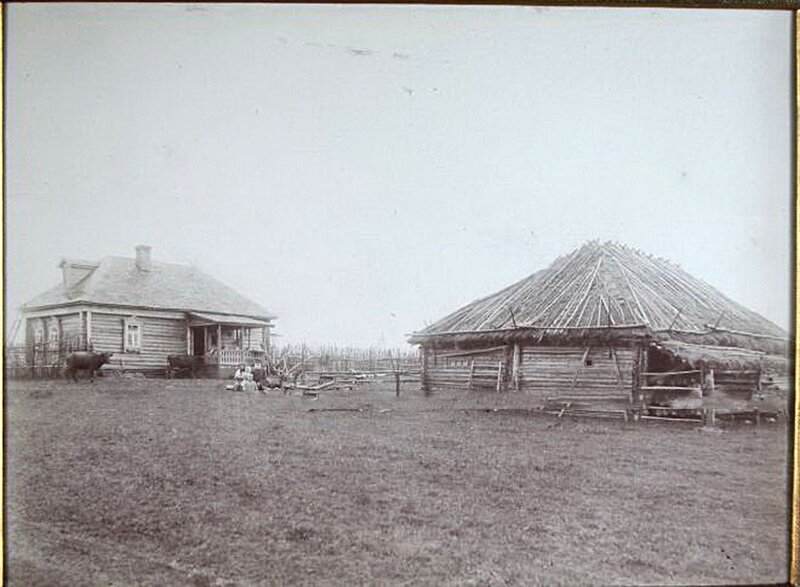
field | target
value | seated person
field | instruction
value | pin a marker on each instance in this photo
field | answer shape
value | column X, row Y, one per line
column 249, row 384
column 238, row 378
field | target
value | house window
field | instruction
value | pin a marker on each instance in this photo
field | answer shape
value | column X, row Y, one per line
column 53, row 335
column 133, row 336
column 38, row 332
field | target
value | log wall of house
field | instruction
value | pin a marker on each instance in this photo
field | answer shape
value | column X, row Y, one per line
column 562, row 371
column 160, row 337
column 30, row 329
column 71, row 325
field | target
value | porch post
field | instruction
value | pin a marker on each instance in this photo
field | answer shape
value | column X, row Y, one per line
column 219, row 336
column 89, row 330
column 189, row 349
column 515, row 367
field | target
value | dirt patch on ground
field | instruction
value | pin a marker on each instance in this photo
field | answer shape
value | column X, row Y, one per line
column 178, row 482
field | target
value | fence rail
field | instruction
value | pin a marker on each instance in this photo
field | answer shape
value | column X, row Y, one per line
column 345, row 359
column 42, row 359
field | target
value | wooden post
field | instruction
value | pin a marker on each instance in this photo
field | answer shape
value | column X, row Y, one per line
column 578, row 369
column 515, row 360
column 499, row 375
column 471, row 373
column 219, row 341
column 703, row 387
column 709, row 416
column 189, row 343
column 613, row 352
column 397, row 384
column 89, row 330
column 508, row 359
column 644, row 365
column 424, row 375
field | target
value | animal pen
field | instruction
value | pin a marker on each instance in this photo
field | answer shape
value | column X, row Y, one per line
column 606, row 325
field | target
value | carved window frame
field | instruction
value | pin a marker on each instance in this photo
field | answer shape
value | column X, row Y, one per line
column 132, row 335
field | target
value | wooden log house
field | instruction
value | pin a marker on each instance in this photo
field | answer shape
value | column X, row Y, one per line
column 605, row 322
column 143, row 311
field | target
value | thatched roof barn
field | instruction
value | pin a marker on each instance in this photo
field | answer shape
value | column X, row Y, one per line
column 596, row 322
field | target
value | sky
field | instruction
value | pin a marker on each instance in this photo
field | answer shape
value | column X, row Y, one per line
column 361, row 171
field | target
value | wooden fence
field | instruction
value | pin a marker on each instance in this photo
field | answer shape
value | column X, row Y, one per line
column 332, row 359
column 41, row 360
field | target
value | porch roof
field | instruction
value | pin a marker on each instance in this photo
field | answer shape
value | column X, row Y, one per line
column 205, row 318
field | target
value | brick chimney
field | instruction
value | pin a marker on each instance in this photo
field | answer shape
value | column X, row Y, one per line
column 143, row 257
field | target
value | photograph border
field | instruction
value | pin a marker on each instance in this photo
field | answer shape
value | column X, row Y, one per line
column 793, row 461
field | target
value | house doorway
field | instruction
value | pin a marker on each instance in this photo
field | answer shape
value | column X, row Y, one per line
column 199, row 341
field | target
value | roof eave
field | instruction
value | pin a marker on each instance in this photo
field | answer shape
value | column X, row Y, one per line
column 83, row 301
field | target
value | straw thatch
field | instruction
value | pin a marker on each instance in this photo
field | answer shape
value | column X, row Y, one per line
column 606, row 288
column 714, row 357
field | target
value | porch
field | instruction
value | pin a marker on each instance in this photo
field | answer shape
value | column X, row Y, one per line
column 226, row 341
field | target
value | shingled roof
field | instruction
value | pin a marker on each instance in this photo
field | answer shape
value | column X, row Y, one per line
column 606, row 285
column 118, row 281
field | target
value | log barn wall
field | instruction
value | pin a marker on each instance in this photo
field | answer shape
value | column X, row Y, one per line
column 445, row 369
column 545, row 371
column 160, row 337
column 737, row 383
column 554, row 371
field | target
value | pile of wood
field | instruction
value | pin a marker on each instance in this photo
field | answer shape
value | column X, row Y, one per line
column 577, row 407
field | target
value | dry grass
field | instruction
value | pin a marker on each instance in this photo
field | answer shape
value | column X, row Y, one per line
column 170, row 483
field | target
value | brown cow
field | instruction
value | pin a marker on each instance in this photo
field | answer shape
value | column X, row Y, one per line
column 86, row 360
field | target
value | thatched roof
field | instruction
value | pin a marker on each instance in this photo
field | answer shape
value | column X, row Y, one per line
column 604, row 287
column 716, row 357
column 117, row 281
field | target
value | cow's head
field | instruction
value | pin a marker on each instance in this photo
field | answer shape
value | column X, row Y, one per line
column 104, row 358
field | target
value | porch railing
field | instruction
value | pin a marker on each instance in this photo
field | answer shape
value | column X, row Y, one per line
column 232, row 356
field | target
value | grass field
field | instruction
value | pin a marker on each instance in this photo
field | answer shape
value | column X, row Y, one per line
column 136, row 482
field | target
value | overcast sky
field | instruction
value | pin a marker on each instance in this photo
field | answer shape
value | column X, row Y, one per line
column 363, row 170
